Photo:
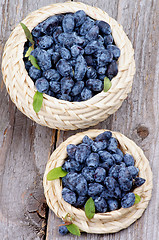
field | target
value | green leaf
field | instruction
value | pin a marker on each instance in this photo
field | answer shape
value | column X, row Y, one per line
column 33, row 61
column 137, row 198
column 72, row 228
column 37, row 101
column 107, row 84
column 27, row 33
column 56, row 173
column 89, row 208
column 30, row 49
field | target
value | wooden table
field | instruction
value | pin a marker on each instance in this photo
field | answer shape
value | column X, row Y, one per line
column 26, row 146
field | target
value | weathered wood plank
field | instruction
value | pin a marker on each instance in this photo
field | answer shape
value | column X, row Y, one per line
column 138, row 116
column 24, row 150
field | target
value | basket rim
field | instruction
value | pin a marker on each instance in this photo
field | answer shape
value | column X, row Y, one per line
column 52, row 189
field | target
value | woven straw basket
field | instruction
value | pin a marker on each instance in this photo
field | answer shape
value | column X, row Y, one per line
column 101, row 222
column 58, row 113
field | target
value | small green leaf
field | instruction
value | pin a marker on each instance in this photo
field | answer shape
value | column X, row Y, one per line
column 33, row 61
column 89, row 208
column 30, row 49
column 137, row 198
column 107, row 84
column 56, row 173
column 37, row 101
column 72, row 228
column 27, row 33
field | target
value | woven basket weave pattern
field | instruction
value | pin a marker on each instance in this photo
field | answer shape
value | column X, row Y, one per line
column 57, row 113
column 102, row 222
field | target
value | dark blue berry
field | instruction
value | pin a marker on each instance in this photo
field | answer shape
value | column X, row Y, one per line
column 81, row 187
column 51, row 93
column 95, row 189
column 104, row 27
column 92, row 33
column 100, row 40
column 108, row 39
column 128, row 200
column 64, row 68
column 128, row 160
column 112, row 69
column 101, row 77
column 72, row 61
column 51, row 75
column 42, row 85
column 112, row 145
column 88, row 173
column 55, row 86
column 70, row 180
column 44, row 60
column 107, row 194
column 118, row 151
column 99, row 146
column 34, row 73
column 86, row 94
column 125, row 179
column 50, row 51
column 69, row 196
column 82, row 152
column 45, row 41
column 55, row 57
column 114, row 171
column 71, row 165
column 118, row 158
column 100, row 174
column 114, row 50
column 63, row 230
column 36, row 32
column 133, row 171
column 104, row 57
column 76, row 50
column 64, row 97
column 104, row 165
column 106, row 157
column 93, row 160
column 27, row 65
column 81, row 200
column 101, row 70
column 80, row 68
column 79, row 17
column 68, row 23
column 91, row 47
column 66, row 85
column 89, row 60
column 50, row 24
column 112, row 204
column 95, row 85
column 71, row 150
column 91, row 72
column 139, row 181
column 77, row 88
column 104, row 136
column 110, row 183
column 87, row 140
column 86, row 26
column 65, row 53
column 56, row 33
column 100, row 205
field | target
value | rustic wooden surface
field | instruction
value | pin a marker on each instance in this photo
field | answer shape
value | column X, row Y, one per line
column 26, row 146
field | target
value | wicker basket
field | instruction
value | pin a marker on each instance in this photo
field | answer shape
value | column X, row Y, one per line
column 57, row 113
column 101, row 222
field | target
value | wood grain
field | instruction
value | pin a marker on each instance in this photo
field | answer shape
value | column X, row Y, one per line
column 25, row 146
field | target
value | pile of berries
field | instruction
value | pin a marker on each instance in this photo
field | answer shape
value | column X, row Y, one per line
column 99, row 169
column 75, row 53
